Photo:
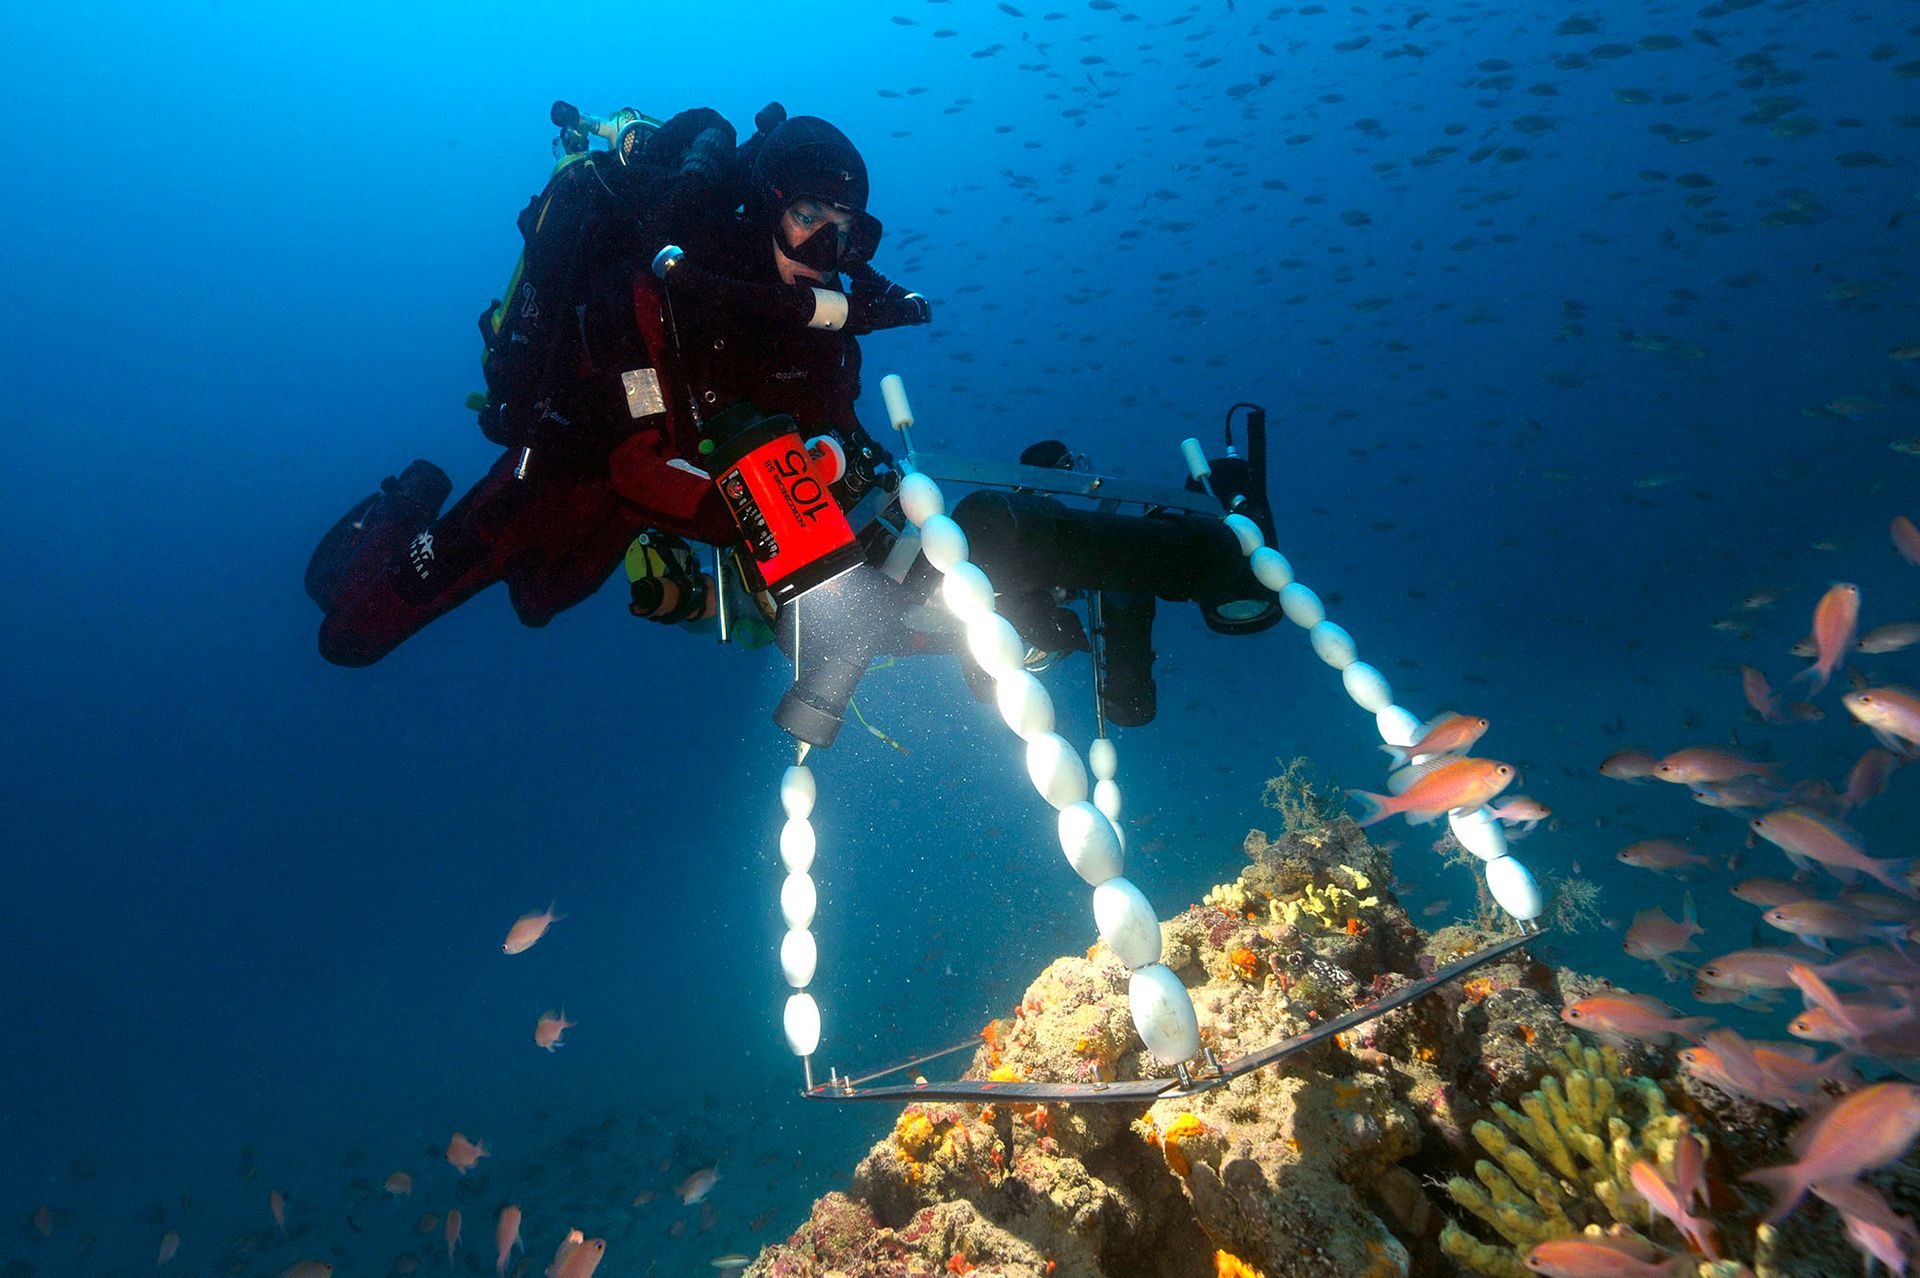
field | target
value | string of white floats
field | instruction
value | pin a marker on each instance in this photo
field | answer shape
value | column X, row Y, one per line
column 1089, row 810
column 1509, row 882
column 1089, row 814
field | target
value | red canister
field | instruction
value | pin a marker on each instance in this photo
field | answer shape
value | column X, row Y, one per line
column 795, row 533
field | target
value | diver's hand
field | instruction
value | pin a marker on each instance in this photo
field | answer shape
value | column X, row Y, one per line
column 877, row 304
column 698, row 142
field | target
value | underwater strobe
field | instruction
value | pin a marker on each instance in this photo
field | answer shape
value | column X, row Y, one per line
column 1240, row 485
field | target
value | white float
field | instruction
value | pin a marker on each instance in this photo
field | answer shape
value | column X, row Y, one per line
column 798, row 900
column 798, row 956
column 1163, row 1013
column 1091, row 844
column 1126, row 923
column 802, row 1023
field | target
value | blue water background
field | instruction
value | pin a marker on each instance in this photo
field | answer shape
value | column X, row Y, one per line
column 254, row 902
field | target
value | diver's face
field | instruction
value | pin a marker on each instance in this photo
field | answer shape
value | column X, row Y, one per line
column 801, row 222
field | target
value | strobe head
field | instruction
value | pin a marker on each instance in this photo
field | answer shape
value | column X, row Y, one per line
column 1240, row 483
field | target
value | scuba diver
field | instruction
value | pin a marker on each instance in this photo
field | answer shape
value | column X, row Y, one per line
column 605, row 378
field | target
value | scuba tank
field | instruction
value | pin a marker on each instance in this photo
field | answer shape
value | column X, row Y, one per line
column 625, row 132
column 794, row 533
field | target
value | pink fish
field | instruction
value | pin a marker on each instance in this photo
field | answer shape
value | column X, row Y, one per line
column 1619, row 1015
column 277, row 1205
column 1784, row 1076
column 1662, row 855
column 506, row 1236
column 1709, row 765
column 1449, row 734
column 697, row 1186
column 1629, row 765
column 453, row 1234
column 1891, row 714
column 465, row 1154
column 1895, row 636
column 1761, row 696
column 1871, row 1223
column 1766, row 893
column 578, row 1256
column 1871, row 965
column 1655, row 937
column 1807, row 838
column 1739, row 792
column 1456, row 783
column 548, row 1029
column 1865, row 1130
column 1847, row 1023
column 1604, row 1258
column 1521, row 811
column 169, row 1247
column 1906, row 540
column 1868, row 778
column 528, row 929
column 1754, row 969
column 1817, row 922
column 1664, row 1198
column 1690, row 1168
column 1878, row 905
column 1835, row 619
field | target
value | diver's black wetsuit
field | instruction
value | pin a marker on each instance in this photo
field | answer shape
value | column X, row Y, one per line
column 602, row 466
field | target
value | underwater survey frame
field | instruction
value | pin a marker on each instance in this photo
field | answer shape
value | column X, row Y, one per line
column 1109, row 493
column 1144, row 1091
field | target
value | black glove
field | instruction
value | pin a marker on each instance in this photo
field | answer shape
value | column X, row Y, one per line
column 697, row 142
column 875, row 302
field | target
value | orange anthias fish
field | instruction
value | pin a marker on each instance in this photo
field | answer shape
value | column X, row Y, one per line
column 1906, row 538
column 453, row 1234
column 1871, row 1222
column 43, row 1221
column 1657, row 938
column 465, row 1154
column 308, row 1269
column 1893, row 715
column 528, row 929
column 1605, row 1258
column 277, row 1204
column 1621, row 1015
column 506, row 1236
column 1865, row 1130
column 1521, row 811
column 399, row 1184
column 548, row 1029
column 1698, row 765
column 1664, row 1197
column 1817, row 922
column 1662, row 854
column 1761, row 696
column 1458, row 783
column 1835, row 619
column 169, row 1247
column 1450, row 734
column 1767, row 893
column 578, row 1256
column 1808, row 837
column 1628, row 765
column 698, row 1186
column 1868, row 778
column 1895, row 636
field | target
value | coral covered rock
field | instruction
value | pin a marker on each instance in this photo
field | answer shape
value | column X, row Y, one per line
column 1306, row 1168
